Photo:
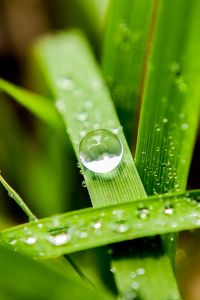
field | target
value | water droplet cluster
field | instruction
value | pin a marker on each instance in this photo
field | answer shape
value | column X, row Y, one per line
column 66, row 233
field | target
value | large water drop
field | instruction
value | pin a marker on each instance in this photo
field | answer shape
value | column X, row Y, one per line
column 100, row 151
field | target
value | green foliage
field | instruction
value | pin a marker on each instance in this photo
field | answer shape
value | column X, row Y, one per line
column 145, row 57
column 24, row 278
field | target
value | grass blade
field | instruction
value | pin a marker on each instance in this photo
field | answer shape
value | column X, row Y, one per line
column 124, row 49
column 42, row 282
column 12, row 193
column 80, row 94
column 40, row 106
column 166, row 135
column 88, row 228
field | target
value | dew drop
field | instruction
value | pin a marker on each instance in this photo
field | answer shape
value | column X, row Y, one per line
column 140, row 271
column 169, row 210
column 83, row 184
column 60, row 105
column 96, row 224
column 82, row 233
column 143, row 213
column 30, row 240
column 135, row 285
column 113, row 270
column 65, row 83
column 184, row 126
column 59, row 239
column 133, row 275
column 100, row 151
column 81, row 117
column 120, row 226
column 165, row 120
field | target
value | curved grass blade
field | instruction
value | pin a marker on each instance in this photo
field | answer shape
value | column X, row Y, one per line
column 88, row 228
column 40, row 106
column 81, row 98
column 123, row 56
column 24, row 278
column 13, row 194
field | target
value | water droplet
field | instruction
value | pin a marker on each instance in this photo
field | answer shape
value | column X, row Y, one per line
column 113, row 270
column 117, row 129
column 60, row 105
column 165, row 120
column 65, row 83
column 82, row 233
column 133, row 274
column 120, row 226
column 169, row 210
column 84, row 184
column 81, row 117
column 135, row 285
column 143, row 213
column 40, row 225
column 100, row 151
column 140, row 271
column 96, row 126
column 184, row 126
column 96, row 224
column 82, row 133
column 30, row 240
column 59, row 239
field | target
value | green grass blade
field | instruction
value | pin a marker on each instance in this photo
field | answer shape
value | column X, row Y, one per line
column 171, row 99
column 145, row 272
column 81, row 98
column 123, row 56
column 13, row 194
column 40, row 106
column 24, row 278
column 93, row 227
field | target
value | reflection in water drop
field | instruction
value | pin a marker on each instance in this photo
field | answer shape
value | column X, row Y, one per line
column 100, row 151
column 59, row 239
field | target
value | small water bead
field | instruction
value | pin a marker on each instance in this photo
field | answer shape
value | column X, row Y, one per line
column 169, row 210
column 83, row 184
column 143, row 213
column 133, row 274
column 81, row 117
column 140, row 271
column 184, row 126
column 60, row 105
column 165, row 120
column 82, row 233
column 135, row 285
column 65, row 83
column 96, row 224
column 113, row 270
column 30, row 240
column 59, row 239
column 100, row 151
column 121, row 226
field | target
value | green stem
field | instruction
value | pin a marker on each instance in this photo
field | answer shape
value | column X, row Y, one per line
column 13, row 194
